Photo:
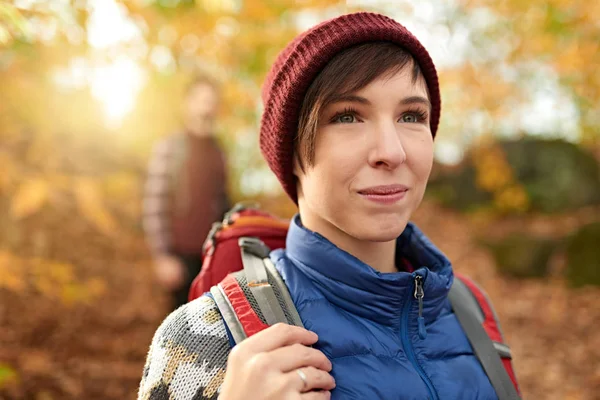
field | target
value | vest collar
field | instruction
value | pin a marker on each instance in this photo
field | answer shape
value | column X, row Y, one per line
column 358, row 288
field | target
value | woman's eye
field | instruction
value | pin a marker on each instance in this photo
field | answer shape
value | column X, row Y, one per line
column 410, row 118
column 346, row 119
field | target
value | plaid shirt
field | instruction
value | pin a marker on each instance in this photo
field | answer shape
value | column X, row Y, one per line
column 158, row 195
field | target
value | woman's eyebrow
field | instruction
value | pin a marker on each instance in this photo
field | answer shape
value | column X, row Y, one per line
column 352, row 98
column 416, row 100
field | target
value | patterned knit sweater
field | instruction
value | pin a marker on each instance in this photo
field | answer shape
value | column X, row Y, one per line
column 188, row 355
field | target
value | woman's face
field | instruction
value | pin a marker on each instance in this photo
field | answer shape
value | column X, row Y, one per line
column 200, row 109
column 373, row 156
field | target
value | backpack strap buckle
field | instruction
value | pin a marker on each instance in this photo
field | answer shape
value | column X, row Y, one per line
column 254, row 246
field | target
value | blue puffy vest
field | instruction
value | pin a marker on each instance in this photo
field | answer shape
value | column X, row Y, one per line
column 381, row 343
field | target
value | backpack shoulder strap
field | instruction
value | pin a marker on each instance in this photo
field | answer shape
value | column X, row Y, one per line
column 230, row 318
column 468, row 310
column 254, row 252
column 263, row 281
column 242, row 320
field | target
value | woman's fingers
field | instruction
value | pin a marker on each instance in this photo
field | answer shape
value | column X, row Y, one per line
column 297, row 356
column 310, row 378
column 281, row 356
column 323, row 395
column 278, row 335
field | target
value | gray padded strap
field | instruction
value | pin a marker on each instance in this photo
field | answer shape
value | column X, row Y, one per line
column 253, row 252
column 460, row 297
column 472, row 305
column 503, row 350
column 468, row 301
column 229, row 316
column 285, row 294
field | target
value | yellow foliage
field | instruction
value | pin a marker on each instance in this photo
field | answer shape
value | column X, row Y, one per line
column 89, row 202
column 575, row 57
column 29, row 198
column 511, row 199
column 557, row 35
column 80, row 292
column 7, row 375
column 493, row 171
column 60, row 273
column 492, row 177
column 72, row 293
column 218, row 6
column 496, row 176
column 11, row 23
column 123, row 189
column 258, row 10
column 9, row 170
column 53, row 279
column 120, row 185
column 11, row 277
column 95, row 287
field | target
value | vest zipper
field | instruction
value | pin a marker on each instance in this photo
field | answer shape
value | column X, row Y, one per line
column 406, row 343
column 419, row 295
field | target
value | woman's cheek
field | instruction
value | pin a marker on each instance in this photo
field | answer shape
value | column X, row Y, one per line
column 420, row 158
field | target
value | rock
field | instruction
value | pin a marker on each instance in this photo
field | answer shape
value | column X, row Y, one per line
column 557, row 176
column 583, row 256
column 522, row 256
column 456, row 188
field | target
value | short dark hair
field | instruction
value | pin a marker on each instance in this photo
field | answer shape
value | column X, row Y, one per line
column 349, row 71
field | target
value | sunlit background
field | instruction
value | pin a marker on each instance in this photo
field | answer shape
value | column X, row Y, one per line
column 88, row 86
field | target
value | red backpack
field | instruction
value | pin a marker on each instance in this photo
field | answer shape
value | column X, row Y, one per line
column 251, row 295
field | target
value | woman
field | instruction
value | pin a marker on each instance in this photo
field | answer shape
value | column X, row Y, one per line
column 351, row 110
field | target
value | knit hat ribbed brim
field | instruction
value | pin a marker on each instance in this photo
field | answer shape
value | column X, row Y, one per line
column 301, row 61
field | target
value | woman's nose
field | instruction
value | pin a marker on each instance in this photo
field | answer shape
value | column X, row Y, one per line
column 387, row 148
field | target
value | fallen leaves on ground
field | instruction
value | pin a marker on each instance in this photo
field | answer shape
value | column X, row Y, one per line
column 51, row 350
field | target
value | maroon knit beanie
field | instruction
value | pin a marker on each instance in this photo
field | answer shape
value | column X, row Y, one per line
column 299, row 64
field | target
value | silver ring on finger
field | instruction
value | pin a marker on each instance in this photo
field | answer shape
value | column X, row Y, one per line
column 302, row 376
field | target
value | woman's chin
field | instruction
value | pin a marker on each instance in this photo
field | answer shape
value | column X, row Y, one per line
column 381, row 231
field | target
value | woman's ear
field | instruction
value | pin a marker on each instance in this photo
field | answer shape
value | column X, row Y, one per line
column 298, row 175
column 298, row 170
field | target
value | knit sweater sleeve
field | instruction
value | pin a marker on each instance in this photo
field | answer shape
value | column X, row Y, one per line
column 188, row 355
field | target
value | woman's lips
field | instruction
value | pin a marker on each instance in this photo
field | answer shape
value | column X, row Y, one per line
column 388, row 194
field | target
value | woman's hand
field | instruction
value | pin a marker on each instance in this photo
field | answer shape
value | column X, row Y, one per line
column 278, row 364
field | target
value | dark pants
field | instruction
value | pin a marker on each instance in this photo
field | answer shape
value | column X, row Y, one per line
column 192, row 264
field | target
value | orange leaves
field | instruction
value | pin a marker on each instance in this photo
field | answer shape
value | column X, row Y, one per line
column 495, row 175
column 29, row 198
column 560, row 34
column 34, row 193
column 89, row 195
column 493, row 172
column 258, row 10
column 574, row 57
column 477, row 88
column 51, row 279
column 91, row 207
column 9, row 170
column 123, row 190
column 511, row 198
column 10, row 276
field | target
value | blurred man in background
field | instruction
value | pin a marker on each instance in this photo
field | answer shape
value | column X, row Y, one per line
column 185, row 192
